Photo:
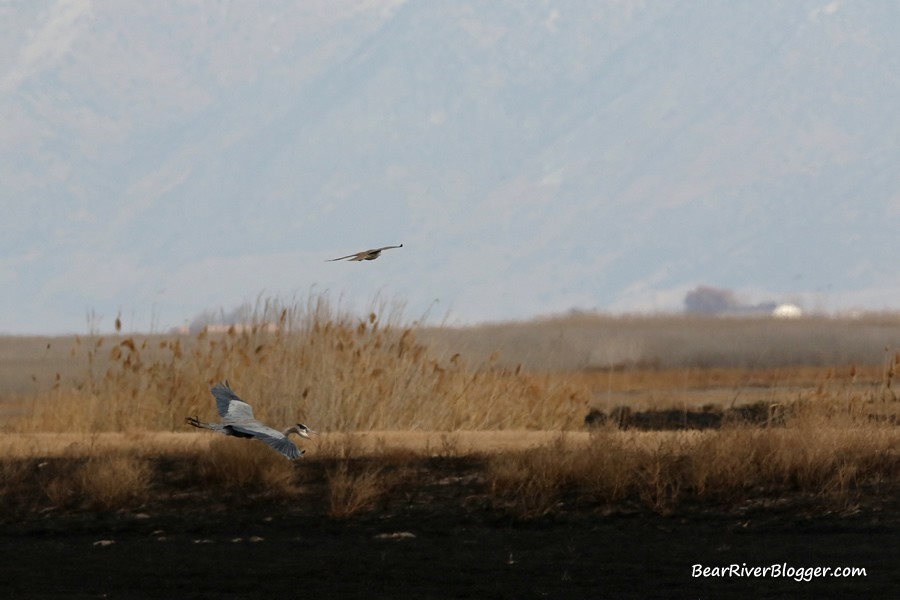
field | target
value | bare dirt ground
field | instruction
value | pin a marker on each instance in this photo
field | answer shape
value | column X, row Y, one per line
column 270, row 552
column 443, row 538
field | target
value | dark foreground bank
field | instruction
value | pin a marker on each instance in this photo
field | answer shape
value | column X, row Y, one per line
column 276, row 551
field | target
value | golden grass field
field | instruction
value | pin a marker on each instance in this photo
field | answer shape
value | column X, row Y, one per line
column 87, row 420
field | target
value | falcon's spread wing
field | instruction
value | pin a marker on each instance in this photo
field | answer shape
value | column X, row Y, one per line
column 365, row 254
column 348, row 256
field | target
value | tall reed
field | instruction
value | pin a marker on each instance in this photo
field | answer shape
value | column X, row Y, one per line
column 306, row 362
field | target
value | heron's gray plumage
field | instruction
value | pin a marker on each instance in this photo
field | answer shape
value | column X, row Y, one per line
column 231, row 408
column 238, row 421
column 272, row 437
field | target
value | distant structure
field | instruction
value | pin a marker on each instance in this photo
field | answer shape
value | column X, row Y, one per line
column 787, row 311
column 706, row 300
column 241, row 319
column 220, row 328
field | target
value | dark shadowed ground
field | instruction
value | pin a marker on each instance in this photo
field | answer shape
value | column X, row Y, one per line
column 227, row 546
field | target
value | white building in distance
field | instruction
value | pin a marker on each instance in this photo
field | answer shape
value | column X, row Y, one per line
column 787, row 311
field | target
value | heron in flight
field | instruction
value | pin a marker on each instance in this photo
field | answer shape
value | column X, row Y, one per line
column 365, row 254
column 237, row 420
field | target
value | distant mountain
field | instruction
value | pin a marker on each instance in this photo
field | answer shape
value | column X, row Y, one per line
column 165, row 158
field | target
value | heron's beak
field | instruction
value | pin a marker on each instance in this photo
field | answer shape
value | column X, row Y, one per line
column 305, row 432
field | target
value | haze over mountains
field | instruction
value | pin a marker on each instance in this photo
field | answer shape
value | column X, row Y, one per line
column 165, row 158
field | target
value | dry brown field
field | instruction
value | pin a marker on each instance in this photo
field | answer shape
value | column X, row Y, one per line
column 377, row 386
column 448, row 447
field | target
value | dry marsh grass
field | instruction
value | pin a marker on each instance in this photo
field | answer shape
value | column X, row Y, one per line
column 29, row 364
column 337, row 372
column 835, row 467
column 327, row 446
column 596, row 341
column 355, row 487
column 105, row 480
column 231, row 463
column 386, row 401
column 113, row 480
column 362, row 469
column 81, row 445
column 660, row 471
column 310, row 362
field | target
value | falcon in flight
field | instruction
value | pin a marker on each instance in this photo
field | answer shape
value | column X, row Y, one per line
column 365, row 254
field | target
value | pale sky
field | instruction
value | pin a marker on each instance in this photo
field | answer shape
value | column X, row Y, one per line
column 163, row 159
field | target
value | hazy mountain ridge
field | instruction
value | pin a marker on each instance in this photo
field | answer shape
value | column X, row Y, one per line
column 606, row 155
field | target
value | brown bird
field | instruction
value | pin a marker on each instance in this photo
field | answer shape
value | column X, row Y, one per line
column 365, row 255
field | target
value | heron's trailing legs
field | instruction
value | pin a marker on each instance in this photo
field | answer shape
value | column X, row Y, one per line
column 196, row 422
column 238, row 421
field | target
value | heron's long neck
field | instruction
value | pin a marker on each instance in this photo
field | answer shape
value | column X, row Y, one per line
column 291, row 429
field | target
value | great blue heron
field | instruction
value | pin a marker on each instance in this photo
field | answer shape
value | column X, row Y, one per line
column 237, row 420
column 365, row 254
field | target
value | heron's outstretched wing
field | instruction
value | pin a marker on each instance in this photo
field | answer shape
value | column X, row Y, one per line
column 231, row 408
column 272, row 437
column 386, row 248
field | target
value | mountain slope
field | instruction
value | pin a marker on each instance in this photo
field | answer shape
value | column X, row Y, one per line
column 532, row 157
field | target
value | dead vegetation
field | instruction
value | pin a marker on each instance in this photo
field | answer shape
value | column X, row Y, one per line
column 336, row 371
column 113, row 480
column 608, row 471
column 244, row 466
column 663, row 471
column 106, row 480
column 355, row 487
column 599, row 342
column 611, row 470
column 660, row 439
